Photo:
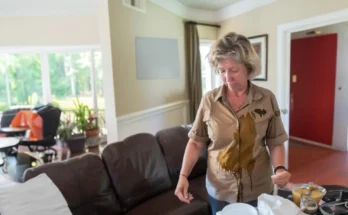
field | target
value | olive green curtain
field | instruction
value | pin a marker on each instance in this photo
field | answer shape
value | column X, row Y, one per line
column 194, row 75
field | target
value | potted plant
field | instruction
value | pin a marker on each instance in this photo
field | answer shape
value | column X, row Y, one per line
column 92, row 129
column 73, row 131
column 81, row 114
column 66, row 133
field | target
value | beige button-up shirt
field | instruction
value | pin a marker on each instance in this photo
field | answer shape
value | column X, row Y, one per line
column 239, row 166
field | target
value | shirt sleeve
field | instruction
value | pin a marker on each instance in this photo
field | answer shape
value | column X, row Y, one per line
column 276, row 134
column 199, row 130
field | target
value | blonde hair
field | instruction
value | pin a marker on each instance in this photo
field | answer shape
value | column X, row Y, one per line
column 239, row 48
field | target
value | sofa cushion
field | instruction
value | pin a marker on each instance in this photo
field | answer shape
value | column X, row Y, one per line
column 198, row 189
column 84, row 183
column 137, row 169
column 168, row 203
column 173, row 142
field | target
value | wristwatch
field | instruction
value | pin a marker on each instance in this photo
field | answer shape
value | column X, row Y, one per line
column 279, row 167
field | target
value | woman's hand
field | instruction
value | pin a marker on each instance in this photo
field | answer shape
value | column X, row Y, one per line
column 181, row 190
column 281, row 178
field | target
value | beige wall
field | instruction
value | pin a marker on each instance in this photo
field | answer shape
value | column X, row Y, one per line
column 207, row 33
column 125, row 24
column 51, row 30
column 265, row 20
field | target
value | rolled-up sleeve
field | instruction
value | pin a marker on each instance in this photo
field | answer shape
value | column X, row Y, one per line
column 276, row 134
column 199, row 130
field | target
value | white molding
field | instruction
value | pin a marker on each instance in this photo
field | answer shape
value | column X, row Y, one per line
column 94, row 86
column 108, row 74
column 153, row 120
column 209, row 15
column 139, row 115
column 311, row 142
column 316, row 21
column 45, row 77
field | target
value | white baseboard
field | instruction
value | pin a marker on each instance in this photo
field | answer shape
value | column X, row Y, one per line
column 311, row 142
column 153, row 119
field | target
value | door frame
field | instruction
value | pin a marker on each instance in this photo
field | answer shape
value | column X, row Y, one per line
column 284, row 48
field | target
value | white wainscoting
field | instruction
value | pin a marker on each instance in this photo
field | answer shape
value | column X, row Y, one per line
column 153, row 120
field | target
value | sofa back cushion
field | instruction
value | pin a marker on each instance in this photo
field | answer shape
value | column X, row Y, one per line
column 84, row 183
column 173, row 142
column 137, row 169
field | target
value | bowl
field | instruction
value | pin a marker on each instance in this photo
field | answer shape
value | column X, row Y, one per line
column 239, row 208
column 316, row 192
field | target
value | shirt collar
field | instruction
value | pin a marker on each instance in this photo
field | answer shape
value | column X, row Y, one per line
column 253, row 94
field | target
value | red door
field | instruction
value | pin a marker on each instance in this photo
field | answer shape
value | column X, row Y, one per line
column 312, row 91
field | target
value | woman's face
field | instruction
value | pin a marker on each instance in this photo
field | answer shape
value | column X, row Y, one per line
column 233, row 74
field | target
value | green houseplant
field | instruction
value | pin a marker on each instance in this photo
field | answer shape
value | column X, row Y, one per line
column 72, row 130
column 86, row 122
column 83, row 125
column 67, row 133
column 65, row 129
column 81, row 114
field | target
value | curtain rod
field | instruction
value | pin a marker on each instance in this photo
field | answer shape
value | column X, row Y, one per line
column 197, row 23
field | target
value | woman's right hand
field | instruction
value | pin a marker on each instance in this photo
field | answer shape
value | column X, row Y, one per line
column 181, row 190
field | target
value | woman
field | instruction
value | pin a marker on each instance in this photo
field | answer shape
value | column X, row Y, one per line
column 240, row 121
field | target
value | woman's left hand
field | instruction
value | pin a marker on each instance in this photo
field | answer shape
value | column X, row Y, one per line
column 281, row 178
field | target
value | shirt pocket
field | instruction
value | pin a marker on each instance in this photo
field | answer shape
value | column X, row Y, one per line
column 261, row 125
column 220, row 127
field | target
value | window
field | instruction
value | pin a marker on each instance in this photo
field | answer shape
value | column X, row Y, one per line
column 209, row 79
column 55, row 76
column 21, row 81
column 70, row 78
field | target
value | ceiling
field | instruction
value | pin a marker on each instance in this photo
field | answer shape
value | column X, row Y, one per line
column 197, row 10
column 210, row 10
column 208, row 4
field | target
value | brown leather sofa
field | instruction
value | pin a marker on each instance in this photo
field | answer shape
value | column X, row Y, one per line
column 135, row 176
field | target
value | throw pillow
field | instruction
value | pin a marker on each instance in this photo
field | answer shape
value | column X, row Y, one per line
column 38, row 195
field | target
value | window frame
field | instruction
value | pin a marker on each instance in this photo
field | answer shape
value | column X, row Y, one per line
column 44, row 64
column 213, row 81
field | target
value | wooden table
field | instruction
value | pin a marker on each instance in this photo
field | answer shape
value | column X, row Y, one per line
column 14, row 131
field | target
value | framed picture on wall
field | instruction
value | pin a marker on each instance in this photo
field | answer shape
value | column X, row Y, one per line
column 260, row 44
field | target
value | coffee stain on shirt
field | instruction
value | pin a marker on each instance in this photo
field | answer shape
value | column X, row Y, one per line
column 238, row 155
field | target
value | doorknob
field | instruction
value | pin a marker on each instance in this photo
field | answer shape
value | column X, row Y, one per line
column 284, row 111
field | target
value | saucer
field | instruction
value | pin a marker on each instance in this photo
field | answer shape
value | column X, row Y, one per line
column 239, row 208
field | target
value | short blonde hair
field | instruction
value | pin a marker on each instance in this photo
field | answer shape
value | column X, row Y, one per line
column 237, row 47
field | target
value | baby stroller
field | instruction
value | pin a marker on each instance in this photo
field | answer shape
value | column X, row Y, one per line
column 50, row 121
